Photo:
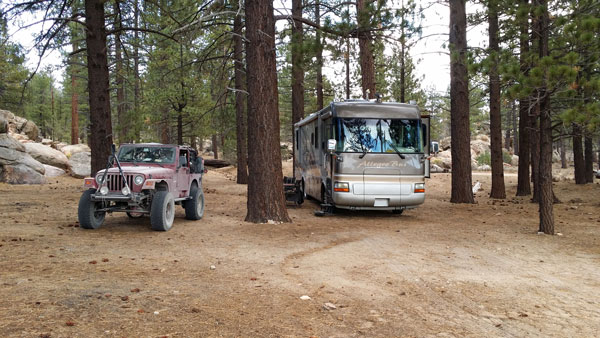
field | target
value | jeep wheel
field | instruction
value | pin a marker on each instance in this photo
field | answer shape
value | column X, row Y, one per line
column 89, row 218
column 162, row 211
column 194, row 208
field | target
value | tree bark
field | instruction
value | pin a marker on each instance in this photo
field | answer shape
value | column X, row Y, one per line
column 367, row 62
column 319, row 56
column 266, row 200
column 546, row 196
column 535, row 151
column 74, row 95
column 523, row 179
column 98, row 84
column 240, row 102
column 498, row 189
column 459, row 106
column 513, row 115
column 122, row 120
column 215, row 146
column 578, row 157
column 588, row 158
column 563, row 154
column 297, row 70
column 136, row 69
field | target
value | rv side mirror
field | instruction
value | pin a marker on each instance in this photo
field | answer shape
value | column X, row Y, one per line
column 331, row 143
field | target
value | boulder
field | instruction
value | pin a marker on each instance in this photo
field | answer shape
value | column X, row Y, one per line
column 14, row 157
column 46, row 155
column 9, row 142
column 436, row 169
column 479, row 147
column 46, row 142
column 3, row 125
column 445, row 143
column 443, row 159
column 484, row 167
column 31, row 130
column 514, row 160
column 483, row 137
column 20, row 137
column 81, row 164
column 73, row 149
column 20, row 174
column 53, row 171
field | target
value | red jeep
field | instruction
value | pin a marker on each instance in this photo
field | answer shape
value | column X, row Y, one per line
column 145, row 179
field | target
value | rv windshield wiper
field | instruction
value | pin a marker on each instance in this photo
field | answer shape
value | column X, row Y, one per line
column 397, row 151
column 363, row 154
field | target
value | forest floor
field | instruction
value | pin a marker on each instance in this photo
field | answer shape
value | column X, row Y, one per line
column 442, row 270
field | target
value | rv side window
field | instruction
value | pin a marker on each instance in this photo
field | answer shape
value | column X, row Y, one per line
column 312, row 138
column 297, row 140
column 316, row 137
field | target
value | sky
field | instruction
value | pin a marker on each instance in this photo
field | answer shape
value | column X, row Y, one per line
column 433, row 60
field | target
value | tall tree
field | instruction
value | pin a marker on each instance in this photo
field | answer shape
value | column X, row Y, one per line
column 578, row 157
column 297, row 67
column 319, row 56
column 588, row 158
column 122, row 120
column 240, row 102
column 523, row 179
column 365, row 45
column 497, row 190
column 546, row 196
column 459, row 106
column 266, row 200
column 98, row 84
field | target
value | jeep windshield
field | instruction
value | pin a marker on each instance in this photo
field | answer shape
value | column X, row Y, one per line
column 355, row 135
column 146, row 154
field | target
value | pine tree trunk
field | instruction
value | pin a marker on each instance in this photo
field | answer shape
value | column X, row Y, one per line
column 546, row 195
column 588, row 158
column 266, row 200
column 74, row 96
column 515, row 132
column 215, row 146
column 98, row 84
column 498, row 189
column 563, row 153
column 136, row 70
column 240, row 104
column 319, row 56
column 367, row 63
column 459, row 106
column 523, row 179
column 535, row 151
column 122, row 120
column 578, row 159
column 347, row 61
column 297, row 70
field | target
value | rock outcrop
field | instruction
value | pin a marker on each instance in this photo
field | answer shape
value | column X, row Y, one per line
column 81, row 164
column 16, row 165
column 47, row 155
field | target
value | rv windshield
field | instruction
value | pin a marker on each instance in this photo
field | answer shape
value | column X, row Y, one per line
column 379, row 135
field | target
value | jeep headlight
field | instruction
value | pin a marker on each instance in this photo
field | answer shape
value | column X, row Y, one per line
column 99, row 178
column 138, row 180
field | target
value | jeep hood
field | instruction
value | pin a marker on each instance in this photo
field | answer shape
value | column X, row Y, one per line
column 153, row 172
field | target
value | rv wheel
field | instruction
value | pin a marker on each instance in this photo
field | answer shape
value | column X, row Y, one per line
column 398, row 211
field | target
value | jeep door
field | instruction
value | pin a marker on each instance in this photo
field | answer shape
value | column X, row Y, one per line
column 183, row 173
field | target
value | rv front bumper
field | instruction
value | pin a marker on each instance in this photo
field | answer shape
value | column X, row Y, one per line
column 379, row 195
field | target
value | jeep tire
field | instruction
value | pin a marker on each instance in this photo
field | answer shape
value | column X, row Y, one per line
column 89, row 218
column 194, row 207
column 162, row 211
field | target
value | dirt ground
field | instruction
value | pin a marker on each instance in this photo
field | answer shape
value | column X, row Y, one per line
column 442, row 270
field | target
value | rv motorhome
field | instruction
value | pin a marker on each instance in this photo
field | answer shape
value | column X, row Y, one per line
column 363, row 155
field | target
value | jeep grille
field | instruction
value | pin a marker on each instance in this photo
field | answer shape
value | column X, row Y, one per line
column 114, row 182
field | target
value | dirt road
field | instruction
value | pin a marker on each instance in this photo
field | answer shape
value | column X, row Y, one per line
column 441, row 270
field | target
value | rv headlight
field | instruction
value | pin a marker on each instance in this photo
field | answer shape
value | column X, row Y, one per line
column 99, row 178
column 341, row 187
column 104, row 190
column 138, row 180
column 419, row 187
